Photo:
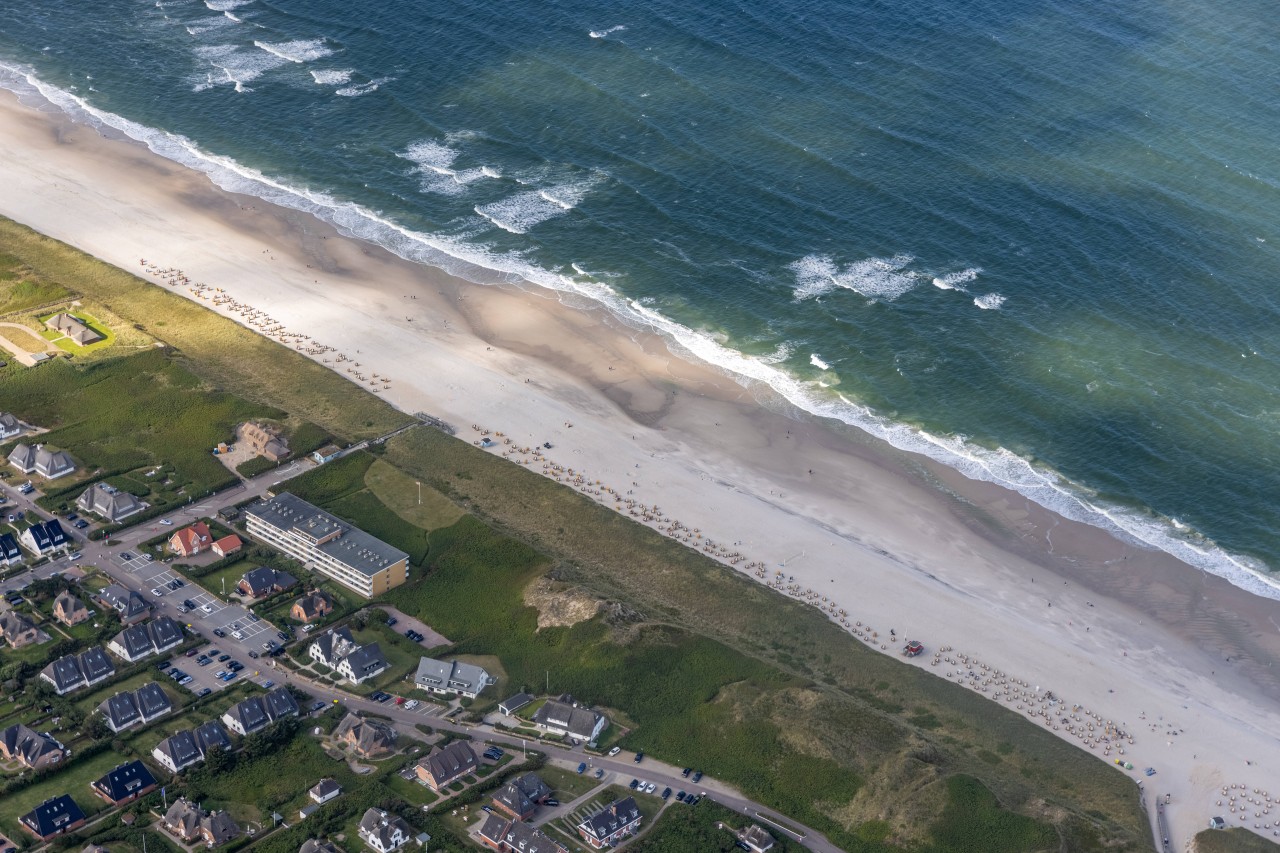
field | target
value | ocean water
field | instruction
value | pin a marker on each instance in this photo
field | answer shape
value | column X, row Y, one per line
column 1037, row 242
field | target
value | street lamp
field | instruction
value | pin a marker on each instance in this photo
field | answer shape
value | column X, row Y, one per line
column 419, row 492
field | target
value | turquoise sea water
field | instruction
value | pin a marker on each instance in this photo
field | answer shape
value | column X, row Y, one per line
column 1035, row 241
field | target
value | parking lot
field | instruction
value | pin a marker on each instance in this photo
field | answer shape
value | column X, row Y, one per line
column 207, row 675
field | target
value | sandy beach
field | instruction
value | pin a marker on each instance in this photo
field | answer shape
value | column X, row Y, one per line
column 1141, row 653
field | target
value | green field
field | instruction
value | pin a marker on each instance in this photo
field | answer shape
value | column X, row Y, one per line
column 1233, row 840
column 21, row 288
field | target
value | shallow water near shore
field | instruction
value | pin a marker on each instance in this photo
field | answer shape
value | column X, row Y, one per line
column 1036, row 245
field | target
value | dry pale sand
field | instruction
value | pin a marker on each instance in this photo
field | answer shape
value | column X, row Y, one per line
column 1023, row 601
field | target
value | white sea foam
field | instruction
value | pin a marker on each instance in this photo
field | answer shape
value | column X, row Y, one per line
column 224, row 5
column 522, row 211
column 818, row 362
column 482, row 265
column 236, row 65
column 434, row 165
column 362, row 88
column 780, row 354
column 207, row 25
column 231, row 17
column 989, row 301
column 875, row 278
column 332, row 76
column 599, row 34
column 298, row 50
column 956, row 280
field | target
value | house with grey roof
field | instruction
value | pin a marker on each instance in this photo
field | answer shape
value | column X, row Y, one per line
column 210, row 735
column 325, row 790
column 108, row 502
column 327, row 544
column 17, row 630
column 69, row 610
column 72, row 672
column 611, row 824
column 33, row 750
column 153, row 702
column 332, row 646
column 10, row 551
column 384, row 832
column 44, row 537
column 316, row 845
column 187, row 747
column 50, row 464
column 515, row 703
column 512, row 836
column 280, row 704
column 121, row 712
column 139, row 640
column 9, row 426
column 566, row 717
column 264, row 580
column 73, row 327
column 187, row 821
column 128, row 605
column 446, row 764
column 465, row 679
column 757, row 839
column 338, row 650
column 258, row 712
column 365, row 737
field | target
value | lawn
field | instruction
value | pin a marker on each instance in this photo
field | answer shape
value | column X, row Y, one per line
column 1234, row 840
column 681, row 829
column 567, row 784
column 410, row 791
column 414, row 501
column 402, row 658
column 21, row 288
column 66, row 344
column 74, row 780
column 27, row 341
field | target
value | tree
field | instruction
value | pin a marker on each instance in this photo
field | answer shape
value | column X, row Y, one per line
column 218, row 761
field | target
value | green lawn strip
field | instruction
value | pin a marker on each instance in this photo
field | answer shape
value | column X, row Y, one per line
column 402, row 658
column 410, row 791
column 1234, row 840
column 567, row 784
column 227, row 354
column 414, row 501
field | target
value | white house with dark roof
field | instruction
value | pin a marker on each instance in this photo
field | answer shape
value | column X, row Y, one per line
column 121, row 712
column 9, row 426
column 384, row 832
column 45, row 537
column 325, row 790
column 140, row 640
column 187, row 747
column 339, row 651
column 10, row 551
column 108, row 502
column 72, row 672
column 611, row 824
column 564, row 716
column 53, row 817
column 124, row 783
column 258, row 712
column 50, row 464
column 512, row 836
column 465, row 679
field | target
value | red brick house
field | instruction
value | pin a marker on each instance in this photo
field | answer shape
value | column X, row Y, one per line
column 192, row 540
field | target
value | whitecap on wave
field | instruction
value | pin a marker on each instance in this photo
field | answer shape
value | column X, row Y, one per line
column 989, row 301
column 235, row 65
column 333, row 76
column 599, row 34
column 817, row 361
column 522, row 211
column 435, row 167
column 298, row 50
column 225, row 5
column 956, row 280
column 362, row 88
column 874, row 278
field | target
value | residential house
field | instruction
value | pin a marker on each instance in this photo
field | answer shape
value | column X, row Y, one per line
column 384, row 832
column 328, row 545
column 515, row 703
column 447, row 764
column 10, row 552
column 50, row 464
column 512, row 836
column 264, row 581
column 258, row 712
column 72, row 672
column 17, row 630
column 564, row 716
column 73, row 327
column 611, row 824
column 367, row 738
column 128, row 605
column 9, row 426
column 756, row 838
column 464, row 679
column 188, row 822
column 265, row 441
column 315, row 845
column 69, row 610
column 138, row 641
column 109, row 502
column 328, row 453
column 44, row 537
column 312, row 606
column 33, row 750
column 53, row 817
column 126, row 782
column 192, row 540
column 185, row 748
column 227, row 545
column 325, row 790
column 338, row 650
column 521, row 797
column 152, row 701
column 125, row 710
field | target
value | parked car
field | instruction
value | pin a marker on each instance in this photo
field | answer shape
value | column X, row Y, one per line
column 666, row 793
column 179, row 582
column 235, row 666
column 685, row 772
column 191, row 653
column 204, row 691
column 189, row 604
column 76, row 556
column 206, row 608
column 220, row 673
column 600, row 773
column 551, row 803
column 81, row 524
column 650, row 788
column 697, row 775
column 71, row 516
column 411, row 704
column 166, row 522
column 635, row 783
column 582, row 767
column 615, row 750
column 186, row 679
column 680, row 797
column 203, row 661
column 269, row 684
column 639, row 757
column 155, row 590
column 393, row 620
column 163, row 665
column 268, row 645
column 252, row 654
column 282, row 635
column 317, row 705
column 126, row 556
column 229, row 676
column 218, row 632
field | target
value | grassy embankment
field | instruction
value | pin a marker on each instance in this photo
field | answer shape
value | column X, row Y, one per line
column 1233, row 840
column 715, row 670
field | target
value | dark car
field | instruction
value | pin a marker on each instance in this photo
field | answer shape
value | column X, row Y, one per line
column 224, row 658
column 164, row 664
column 685, row 772
column 680, row 797
column 697, row 775
column 282, row 635
column 189, row 604
column 639, row 757
column 177, row 582
column 692, row 800
column 393, row 620
column 582, row 767
column 551, row 803
column 218, row 632
column 666, row 793
column 635, row 783
column 71, row 516
column 317, row 705
column 126, row 556
column 235, row 666
column 81, row 524
column 191, row 653
column 253, row 654
column 204, row 692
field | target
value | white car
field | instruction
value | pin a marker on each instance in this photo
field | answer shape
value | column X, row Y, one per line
column 411, row 704
column 166, row 522
column 615, row 750
column 650, row 788
column 156, row 591
column 237, row 635
column 206, row 608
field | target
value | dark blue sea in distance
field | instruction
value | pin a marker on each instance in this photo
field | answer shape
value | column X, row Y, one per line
column 1036, row 241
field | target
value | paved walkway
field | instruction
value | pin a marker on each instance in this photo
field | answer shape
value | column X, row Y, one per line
column 20, row 354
